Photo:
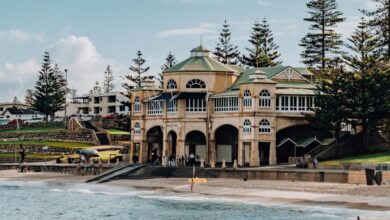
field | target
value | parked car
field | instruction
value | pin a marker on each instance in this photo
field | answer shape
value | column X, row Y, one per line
column 111, row 116
column 86, row 118
column 33, row 120
column 15, row 121
column 4, row 121
column 58, row 119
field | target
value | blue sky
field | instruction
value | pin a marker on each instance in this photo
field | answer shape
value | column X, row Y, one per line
column 85, row 36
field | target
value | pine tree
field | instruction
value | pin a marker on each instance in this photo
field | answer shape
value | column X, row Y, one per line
column 170, row 61
column 380, row 21
column 225, row 52
column 139, row 70
column 108, row 84
column 332, row 106
column 50, row 89
column 365, row 49
column 322, row 44
column 29, row 97
column 264, row 51
column 96, row 89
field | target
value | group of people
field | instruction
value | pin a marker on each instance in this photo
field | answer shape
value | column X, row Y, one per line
column 176, row 161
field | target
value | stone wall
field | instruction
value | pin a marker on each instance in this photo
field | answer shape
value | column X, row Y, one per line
column 84, row 136
column 34, row 125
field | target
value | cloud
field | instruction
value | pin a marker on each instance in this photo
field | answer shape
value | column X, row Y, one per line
column 347, row 27
column 84, row 63
column 203, row 28
column 17, row 35
column 263, row 2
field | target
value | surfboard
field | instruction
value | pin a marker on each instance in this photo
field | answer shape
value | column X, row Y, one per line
column 197, row 180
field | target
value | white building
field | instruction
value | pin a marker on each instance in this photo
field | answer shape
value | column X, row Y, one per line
column 24, row 114
column 102, row 104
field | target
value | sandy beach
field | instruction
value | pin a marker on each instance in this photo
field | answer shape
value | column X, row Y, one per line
column 268, row 192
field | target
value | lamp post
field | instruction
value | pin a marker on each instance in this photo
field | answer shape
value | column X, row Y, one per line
column 66, row 93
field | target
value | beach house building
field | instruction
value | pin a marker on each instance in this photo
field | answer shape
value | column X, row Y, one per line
column 224, row 112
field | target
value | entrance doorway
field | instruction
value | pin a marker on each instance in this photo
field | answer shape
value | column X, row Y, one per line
column 264, row 153
column 196, row 143
column 226, row 142
column 155, row 142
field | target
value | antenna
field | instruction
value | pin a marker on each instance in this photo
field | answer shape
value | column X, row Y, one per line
column 201, row 38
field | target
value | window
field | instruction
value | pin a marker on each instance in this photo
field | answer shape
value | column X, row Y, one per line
column 96, row 110
column 264, row 126
column 171, row 84
column 122, row 108
column 247, row 100
column 247, row 126
column 294, row 103
column 172, row 106
column 228, row 104
column 137, row 129
column 137, row 104
column 112, row 98
column 195, row 84
column 96, row 100
column 195, row 105
column 265, row 99
column 111, row 109
column 155, row 107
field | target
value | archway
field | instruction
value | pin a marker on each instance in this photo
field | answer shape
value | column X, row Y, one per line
column 226, row 143
column 172, row 142
column 154, row 137
column 196, row 143
column 298, row 140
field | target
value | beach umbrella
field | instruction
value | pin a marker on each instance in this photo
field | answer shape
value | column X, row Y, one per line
column 89, row 152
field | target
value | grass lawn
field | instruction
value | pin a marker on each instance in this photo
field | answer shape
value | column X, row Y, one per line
column 51, row 143
column 39, row 129
column 368, row 158
column 116, row 131
column 29, row 155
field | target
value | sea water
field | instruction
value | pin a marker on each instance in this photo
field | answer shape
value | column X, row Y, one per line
column 41, row 200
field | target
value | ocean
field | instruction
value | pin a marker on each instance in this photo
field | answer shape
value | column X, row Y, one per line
column 49, row 201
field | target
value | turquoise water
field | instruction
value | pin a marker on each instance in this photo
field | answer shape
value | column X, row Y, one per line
column 39, row 200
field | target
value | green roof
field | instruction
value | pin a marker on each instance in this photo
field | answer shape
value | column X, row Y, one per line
column 200, row 48
column 271, row 72
column 230, row 93
column 200, row 64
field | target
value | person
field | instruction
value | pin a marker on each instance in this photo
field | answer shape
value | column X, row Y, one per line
column 192, row 159
column 315, row 162
column 22, row 154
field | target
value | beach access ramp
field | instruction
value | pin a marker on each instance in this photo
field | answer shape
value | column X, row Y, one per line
column 115, row 172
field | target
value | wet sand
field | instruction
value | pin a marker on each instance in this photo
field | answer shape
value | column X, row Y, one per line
column 362, row 197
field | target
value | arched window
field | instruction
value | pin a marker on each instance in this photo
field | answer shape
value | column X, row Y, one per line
column 137, row 104
column 247, row 100
column 265, row 99
column 137, row 129
column 171, row 84
column 264, row 126
column 247, row 126
column 196, row 84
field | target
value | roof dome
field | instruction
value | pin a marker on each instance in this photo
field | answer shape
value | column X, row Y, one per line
column 200, row 61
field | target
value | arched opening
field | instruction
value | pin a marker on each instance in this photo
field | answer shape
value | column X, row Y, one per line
column 154, row 137
column 172, row 141
column 296, row 141
column 196, row 143
column 226, row 143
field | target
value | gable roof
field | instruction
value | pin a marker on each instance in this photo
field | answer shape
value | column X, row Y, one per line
column 200, row 64
column 270, row 72
column 17, row 111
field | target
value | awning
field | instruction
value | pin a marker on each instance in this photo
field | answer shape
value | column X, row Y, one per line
column 192, row 95
column 231, row 93
column 295, row 92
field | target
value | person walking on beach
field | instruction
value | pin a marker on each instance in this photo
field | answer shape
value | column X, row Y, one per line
column 192, row 159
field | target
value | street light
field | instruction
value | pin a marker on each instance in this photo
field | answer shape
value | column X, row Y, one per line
column 66, row 93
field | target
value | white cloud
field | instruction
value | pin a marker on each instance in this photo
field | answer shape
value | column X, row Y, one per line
column 347, row 27
column 17, row 35
column 84, row 63
column 203, row 28
column 263, row 2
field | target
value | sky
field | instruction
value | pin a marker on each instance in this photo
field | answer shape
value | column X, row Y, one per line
column 86, row 36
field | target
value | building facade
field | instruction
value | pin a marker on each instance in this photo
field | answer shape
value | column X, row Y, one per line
column 220, row 112
column 101, row 104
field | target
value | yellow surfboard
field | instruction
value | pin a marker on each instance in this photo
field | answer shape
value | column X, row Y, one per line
column 197, row 180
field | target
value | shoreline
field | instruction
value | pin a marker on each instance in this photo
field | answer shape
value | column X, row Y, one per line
column 262, row 192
